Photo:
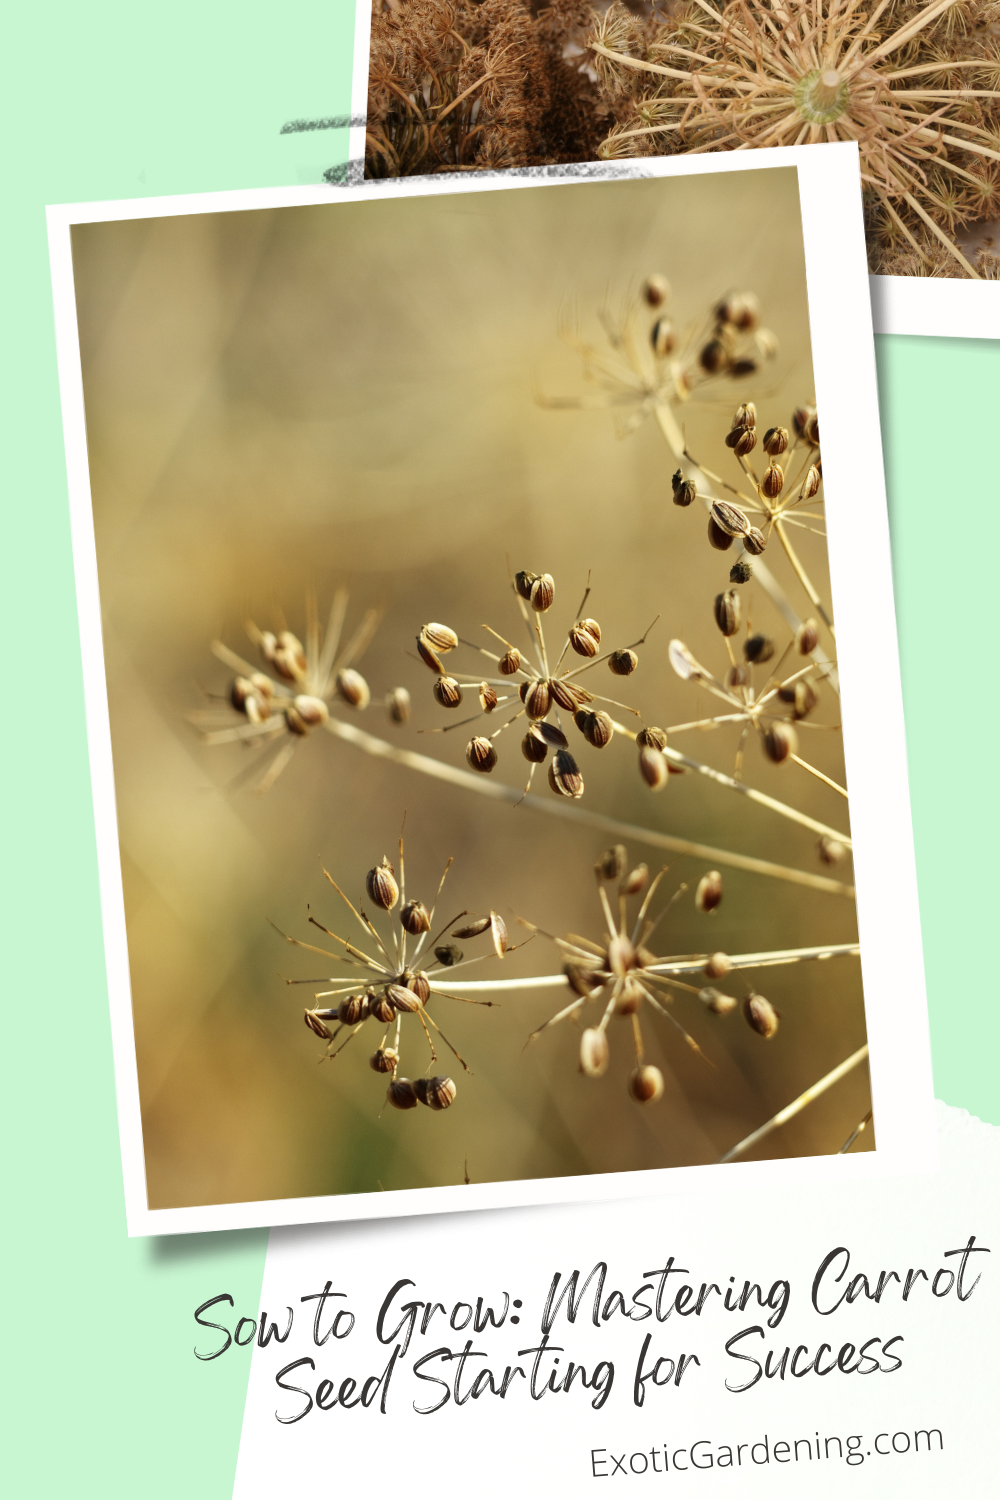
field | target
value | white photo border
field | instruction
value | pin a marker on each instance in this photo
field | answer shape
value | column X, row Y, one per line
column 861, row 581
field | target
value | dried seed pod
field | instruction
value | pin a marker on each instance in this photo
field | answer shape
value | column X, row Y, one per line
column 564, row 693
column 801, row 418
column 775, row 441
column 510, row 662
column 533, row 746
column 740, row 310
column 401, row 1094
column 596, row 727
column 402, row 998
column 728, row 611
column 471, row 929
column 498, row 932
column 447, row 692
column 807, row 638
column 481, row 754
column 429, row 657
column 543, row 591
column 623, row 663
column 746, row 417
column 812, row 431
column 738, row 677
column 487, row 697
column 663, row 337
column 715, row 1001
column 612, row 863
column 397, row 705
column 709, row 893
column 629, row 998
column 754, row 542
column 294, row 721
column 352, row 1009
column 353, row 688
column 415, row 918
column 448, row 955
column 594, row 1052
column 439, row 637
column 579, row 981
column 436, row 1093
column 780, row 741
column 240, row 689
column 656, row 290
column 761, row 1016
column 645, row 1084
column 268, row 643
column 585, row 637
column 804, row 698
column 289, row 657
column 635, row 881
column 831, row 851
column 655, row 738
column 653, row 768
column 684, row 663
column 810, row 483
column 551, row 734
column 741, row 572
column 685, row 490
column 713, row 357
column 420, row 985
column 384, row 1060
column 262, row 685
column 729, row 518
column 718, row 965
column 747, row 365
column 620, row 955
column 758, row 648
column 382, row 1008
column 720, row 540
column 312, row 711
column 523, row 582
column 773, row 481
column 742, row 442
column 564, row 775
column 316, row 1025
column 537, row 698
column 380, row 883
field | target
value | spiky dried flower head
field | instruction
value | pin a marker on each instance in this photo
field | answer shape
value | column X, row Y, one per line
column 652, row 367
column 277, row 709
column 914, row 84
column 537, row 685
column 620, row 974
column 767, row 708
column 390, row 977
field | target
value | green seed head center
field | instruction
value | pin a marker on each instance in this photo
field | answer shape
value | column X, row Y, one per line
column 821, row 96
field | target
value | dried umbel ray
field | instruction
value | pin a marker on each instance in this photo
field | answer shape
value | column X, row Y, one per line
column 650, row 366
column 622, row 976
column 459, row 84
column 537, row 687
column 783, row 493
column 775, row 708
column 274, row 710
column 915, row 85
column 392, row 976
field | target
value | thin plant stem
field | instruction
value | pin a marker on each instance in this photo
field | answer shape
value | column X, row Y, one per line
column 471, row 782
column 790, row 1110
column 773, row 960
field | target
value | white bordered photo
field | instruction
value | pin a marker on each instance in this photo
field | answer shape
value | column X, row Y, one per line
column 445, row 86
column 485, row 603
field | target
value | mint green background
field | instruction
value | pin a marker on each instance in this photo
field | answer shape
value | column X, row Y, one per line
column 114, row 101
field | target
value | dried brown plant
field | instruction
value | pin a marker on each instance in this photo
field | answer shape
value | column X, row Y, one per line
column 456, row 84
column 536, row 685
column 917, row 86
column 649, row 367
column 395, row 980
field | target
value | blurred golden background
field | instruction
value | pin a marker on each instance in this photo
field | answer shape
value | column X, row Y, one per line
column 306, row 398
